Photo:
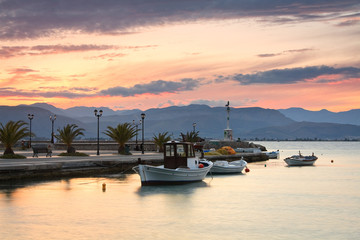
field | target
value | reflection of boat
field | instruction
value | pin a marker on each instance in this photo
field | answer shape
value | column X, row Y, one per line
column 222, row 167
column 183, row 189
column 300, row 160
column 273, row 154
column 180, row 166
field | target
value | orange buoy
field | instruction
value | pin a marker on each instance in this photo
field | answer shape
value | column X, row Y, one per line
column 201, row 165
column 247, row 170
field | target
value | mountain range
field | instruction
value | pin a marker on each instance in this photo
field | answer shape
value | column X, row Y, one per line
column 246, row 123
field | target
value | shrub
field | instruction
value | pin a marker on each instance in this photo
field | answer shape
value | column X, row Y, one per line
column 12, row 156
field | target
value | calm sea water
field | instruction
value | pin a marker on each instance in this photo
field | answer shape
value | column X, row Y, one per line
column 272, row 201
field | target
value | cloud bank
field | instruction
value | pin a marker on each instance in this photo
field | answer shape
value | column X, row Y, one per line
column 24, row 19
column 154, row 87
column 315, row 74
column 15, row 51
column 295, row 75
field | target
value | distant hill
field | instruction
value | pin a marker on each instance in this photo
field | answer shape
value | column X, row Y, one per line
column 41, row 124
column 299, row 114
column 308, row 130
column 210, row 121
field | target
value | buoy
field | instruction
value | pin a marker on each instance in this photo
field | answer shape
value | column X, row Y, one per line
column 247, row 170
column 332, row 161
column 201, row 165
column 265, row 165
column 104, row 187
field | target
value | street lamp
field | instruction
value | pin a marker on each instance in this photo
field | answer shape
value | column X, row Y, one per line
column 142, row 129
column 52, row 119
column 136, row 135
column 30, row 117
column 194, row 125
column 98, row 115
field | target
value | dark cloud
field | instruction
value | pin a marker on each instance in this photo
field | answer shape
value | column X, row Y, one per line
column 264, row 55
column 349, row 20
column 154, row 87
column 295, row 75
column 22, row 19
column 35, row 93
column 21, row 71
column 8, row 52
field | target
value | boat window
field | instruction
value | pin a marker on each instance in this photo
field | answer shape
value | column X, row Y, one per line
column 181, row 151
column 190, row 151
column 169, row 150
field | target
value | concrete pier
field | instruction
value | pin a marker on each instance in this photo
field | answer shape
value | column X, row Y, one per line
column 42, row 166
column 106, row 162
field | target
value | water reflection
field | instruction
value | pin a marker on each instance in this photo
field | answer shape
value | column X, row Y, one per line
column 10, row 187
column 185, row 189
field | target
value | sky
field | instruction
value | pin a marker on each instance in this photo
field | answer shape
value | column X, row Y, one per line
column 141, row 54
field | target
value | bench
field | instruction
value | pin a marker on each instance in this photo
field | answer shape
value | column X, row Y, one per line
column 41, row 148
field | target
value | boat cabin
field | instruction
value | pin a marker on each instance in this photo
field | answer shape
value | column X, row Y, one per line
column 179, row 154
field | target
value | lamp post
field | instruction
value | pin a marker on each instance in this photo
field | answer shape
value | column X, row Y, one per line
column 52, row 119
column 194, row 126
column 98, row 115
column 136, row 136
column 142, row 130
column 30, row 117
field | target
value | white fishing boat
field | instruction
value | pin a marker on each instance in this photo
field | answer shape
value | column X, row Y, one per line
column 180, row 166
column 223, row 167
column 273, row 154
column 300, row 160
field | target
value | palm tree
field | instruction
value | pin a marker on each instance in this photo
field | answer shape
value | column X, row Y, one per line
column 121, row 134
column 160, row 139
column 68, row 134
column 191, row 137
column 11, row 133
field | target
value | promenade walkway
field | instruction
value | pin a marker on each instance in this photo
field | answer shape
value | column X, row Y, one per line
column 62, row 165
column 107, row 161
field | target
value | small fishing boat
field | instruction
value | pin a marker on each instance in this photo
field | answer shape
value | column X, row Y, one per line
column 180, row 166
column 223, row 167
column 300, row 160
column 273, row 154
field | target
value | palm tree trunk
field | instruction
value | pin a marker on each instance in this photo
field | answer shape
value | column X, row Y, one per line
column 121, row 149
column 70, row 149
column 8, row 150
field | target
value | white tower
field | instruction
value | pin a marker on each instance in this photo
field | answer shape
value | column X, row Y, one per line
column 228, row 131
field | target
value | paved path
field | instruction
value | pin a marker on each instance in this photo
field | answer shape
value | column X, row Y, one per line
column 61, row 162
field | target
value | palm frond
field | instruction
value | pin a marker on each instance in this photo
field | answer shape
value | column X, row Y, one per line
column 11, row 133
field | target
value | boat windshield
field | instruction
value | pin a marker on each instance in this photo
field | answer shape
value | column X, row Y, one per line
column 182, row 150
column 169, row 150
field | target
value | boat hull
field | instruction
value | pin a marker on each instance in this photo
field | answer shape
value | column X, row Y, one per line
column 224, row 167
column 158, row 175
column 228, row 169
column 299, row 162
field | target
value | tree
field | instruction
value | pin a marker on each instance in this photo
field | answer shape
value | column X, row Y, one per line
column 68, row 134
column 191, row 137
column 121, row 134
column 11, row 133
column 160, row 139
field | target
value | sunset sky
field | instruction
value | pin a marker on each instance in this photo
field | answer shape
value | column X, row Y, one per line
column 127, row 54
